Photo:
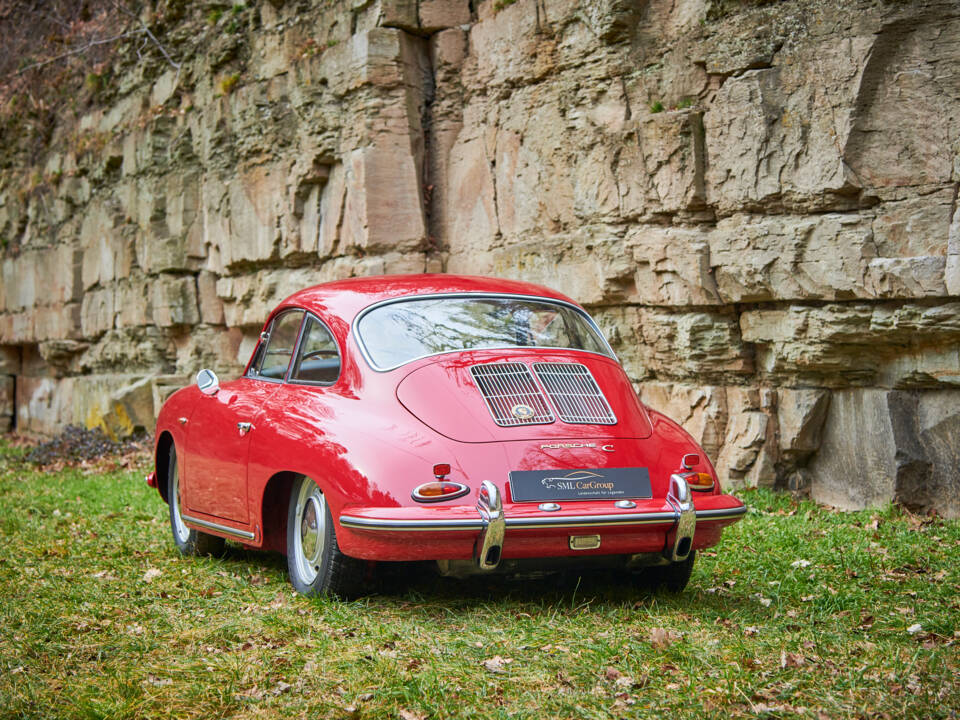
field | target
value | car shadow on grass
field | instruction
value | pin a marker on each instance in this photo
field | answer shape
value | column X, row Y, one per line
column 393, row 584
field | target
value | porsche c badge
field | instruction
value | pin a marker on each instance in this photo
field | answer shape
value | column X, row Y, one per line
column 522, row 412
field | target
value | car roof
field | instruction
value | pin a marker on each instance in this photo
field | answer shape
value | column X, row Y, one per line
column 346, row 298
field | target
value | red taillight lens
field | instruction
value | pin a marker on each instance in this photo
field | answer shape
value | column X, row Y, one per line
column 439, row 490
column 441, row 469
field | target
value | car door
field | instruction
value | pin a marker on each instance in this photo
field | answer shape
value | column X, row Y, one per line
column 221, row 426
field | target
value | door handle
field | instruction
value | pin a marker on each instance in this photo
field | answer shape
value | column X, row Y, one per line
column 244, row 427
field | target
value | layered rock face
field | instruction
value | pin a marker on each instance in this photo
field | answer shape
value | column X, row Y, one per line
column 758, row 202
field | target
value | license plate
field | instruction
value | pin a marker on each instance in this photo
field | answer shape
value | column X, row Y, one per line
column 589, row 484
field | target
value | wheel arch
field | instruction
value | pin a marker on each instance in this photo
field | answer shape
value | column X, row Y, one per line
column 273, row 510
column 162, row 463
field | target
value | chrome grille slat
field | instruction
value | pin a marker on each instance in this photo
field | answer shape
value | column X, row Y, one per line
column 575, row 394
column 506, row 385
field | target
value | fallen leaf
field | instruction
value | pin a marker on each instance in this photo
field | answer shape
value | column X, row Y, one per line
column 662, row 638
column 915, row 628
column 411, row 715
column 281, row 688
column 800, row 563
column 152, row 574
column 791, row 660
column 496, row 663
column 612, row 674
column 157, row 682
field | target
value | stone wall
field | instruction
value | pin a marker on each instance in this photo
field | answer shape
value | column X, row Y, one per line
column 758, row 201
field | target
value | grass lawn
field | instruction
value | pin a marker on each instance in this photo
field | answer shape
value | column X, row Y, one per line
column 799, row 612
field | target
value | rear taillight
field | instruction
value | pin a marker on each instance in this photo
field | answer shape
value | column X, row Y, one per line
column 702, row 482
column 439, row 490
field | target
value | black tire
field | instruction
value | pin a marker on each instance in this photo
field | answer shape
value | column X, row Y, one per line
column 672, row 578
column 314, row 561
column 187, row 540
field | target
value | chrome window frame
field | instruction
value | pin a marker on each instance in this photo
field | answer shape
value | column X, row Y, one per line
column 355, row 326
column 288, row 378
column 249, row 374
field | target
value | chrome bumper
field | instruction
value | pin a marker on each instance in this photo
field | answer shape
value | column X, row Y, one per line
column 491, row 524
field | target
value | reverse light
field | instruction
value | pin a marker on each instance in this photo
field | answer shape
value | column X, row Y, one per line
column 439, row 490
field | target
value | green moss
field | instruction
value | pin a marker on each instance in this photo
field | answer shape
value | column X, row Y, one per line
column 228, row 83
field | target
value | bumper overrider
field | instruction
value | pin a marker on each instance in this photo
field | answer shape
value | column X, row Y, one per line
column 677, row 526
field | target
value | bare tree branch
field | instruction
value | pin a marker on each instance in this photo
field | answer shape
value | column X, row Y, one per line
column 81, row 49
column 122, row 8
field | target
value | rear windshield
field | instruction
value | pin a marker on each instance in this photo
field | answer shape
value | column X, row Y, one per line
column 398, row 332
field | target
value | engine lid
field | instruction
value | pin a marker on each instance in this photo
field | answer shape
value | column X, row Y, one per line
column 473, row 397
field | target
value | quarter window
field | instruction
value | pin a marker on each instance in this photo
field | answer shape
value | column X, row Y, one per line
column 273, row 355
column 319, row 358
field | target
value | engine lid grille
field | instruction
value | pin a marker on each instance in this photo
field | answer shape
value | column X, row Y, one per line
column 575, row 393
column 511, row 394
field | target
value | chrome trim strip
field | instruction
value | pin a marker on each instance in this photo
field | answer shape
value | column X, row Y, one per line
column 460, row 525
column 720, row 513
column 354, row 326
column 232, row 532
column 453, row 525
column 593, row 520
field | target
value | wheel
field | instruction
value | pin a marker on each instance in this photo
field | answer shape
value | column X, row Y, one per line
column 187, row 540
column 314, row 561
column 673, row 577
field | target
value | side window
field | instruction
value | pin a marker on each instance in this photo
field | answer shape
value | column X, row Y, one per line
column 274, row 356
column 319, row 357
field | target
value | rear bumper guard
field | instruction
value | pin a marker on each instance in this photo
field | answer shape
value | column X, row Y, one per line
column 487, row 551
column 678, row 498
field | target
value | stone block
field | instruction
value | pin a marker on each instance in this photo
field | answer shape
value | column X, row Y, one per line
column 210, row 305
column 383, row 209
column 745, row 439
column 7, row 402
column 216, row 348
column 97, row 312
column 913, row 277
column 801, row 413
column 106, row 253
column 120, row 404
column 906, row 449
column 673, row 266
column 695, row 344
column 257, row 202
column 701, row 410
column 134, row 296
column 44, row 404
column 175, row 301
column 787, row 258
column 673, row 159
column 436, row 15
column 952, row 269
column 398, row 13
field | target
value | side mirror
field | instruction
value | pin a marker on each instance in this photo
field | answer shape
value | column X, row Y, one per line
column 208, row 382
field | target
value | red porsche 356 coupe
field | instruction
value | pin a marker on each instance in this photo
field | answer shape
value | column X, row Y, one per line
column 483, row 424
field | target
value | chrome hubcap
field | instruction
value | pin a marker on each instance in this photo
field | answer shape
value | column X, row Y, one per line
column 309, row 533
column 179, row 527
